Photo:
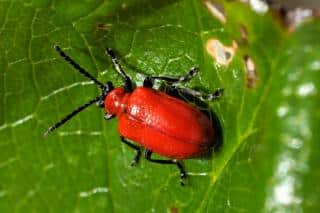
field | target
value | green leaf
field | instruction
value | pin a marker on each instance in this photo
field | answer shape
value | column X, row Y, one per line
column 269, row 157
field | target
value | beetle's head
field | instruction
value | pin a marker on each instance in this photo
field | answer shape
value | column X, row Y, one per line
column 105, row 91
column 115, row 102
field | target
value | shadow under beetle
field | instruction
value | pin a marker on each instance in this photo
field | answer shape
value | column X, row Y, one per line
column 156, row 121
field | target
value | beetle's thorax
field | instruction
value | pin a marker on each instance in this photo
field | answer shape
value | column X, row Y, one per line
column 115, row 102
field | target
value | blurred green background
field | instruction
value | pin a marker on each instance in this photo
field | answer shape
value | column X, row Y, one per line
column 269, row 160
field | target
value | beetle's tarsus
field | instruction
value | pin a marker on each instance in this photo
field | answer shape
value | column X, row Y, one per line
column 182, row 181
column 136, row 159
column 179, row 164
column 135, row 147
column 108, row 116
column 217, row 94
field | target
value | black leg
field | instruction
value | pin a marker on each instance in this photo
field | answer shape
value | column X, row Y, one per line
column 135, row 147
column 204, row 97
column 183, row 174
column 148, row 82
column 128, row 83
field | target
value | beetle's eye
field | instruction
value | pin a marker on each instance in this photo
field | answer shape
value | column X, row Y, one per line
column 108, row 87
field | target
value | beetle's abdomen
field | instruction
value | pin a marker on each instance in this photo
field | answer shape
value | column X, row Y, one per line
column 166, row 125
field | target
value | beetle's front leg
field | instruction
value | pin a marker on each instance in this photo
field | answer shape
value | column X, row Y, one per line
column 136, row 159
column 183, row 174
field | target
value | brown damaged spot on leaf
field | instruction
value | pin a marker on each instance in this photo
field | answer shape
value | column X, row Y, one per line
column 102, row 27
column 244, row 34
column 251, row 72
column 174, row 209
column 216, row 10
column 223, row 55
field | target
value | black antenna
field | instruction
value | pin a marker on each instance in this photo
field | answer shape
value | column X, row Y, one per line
column 78, row 67
column 70, row 115
column 118, row 68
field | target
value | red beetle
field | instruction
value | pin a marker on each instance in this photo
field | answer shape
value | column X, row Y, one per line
column 160, row 123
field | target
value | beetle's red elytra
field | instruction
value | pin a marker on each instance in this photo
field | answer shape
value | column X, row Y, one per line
column 152, row 119
column 160, row 122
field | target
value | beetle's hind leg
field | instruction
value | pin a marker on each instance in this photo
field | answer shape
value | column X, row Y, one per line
column 183, row 174
column 215, row 95
column 136, row 159
column 149, row 81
